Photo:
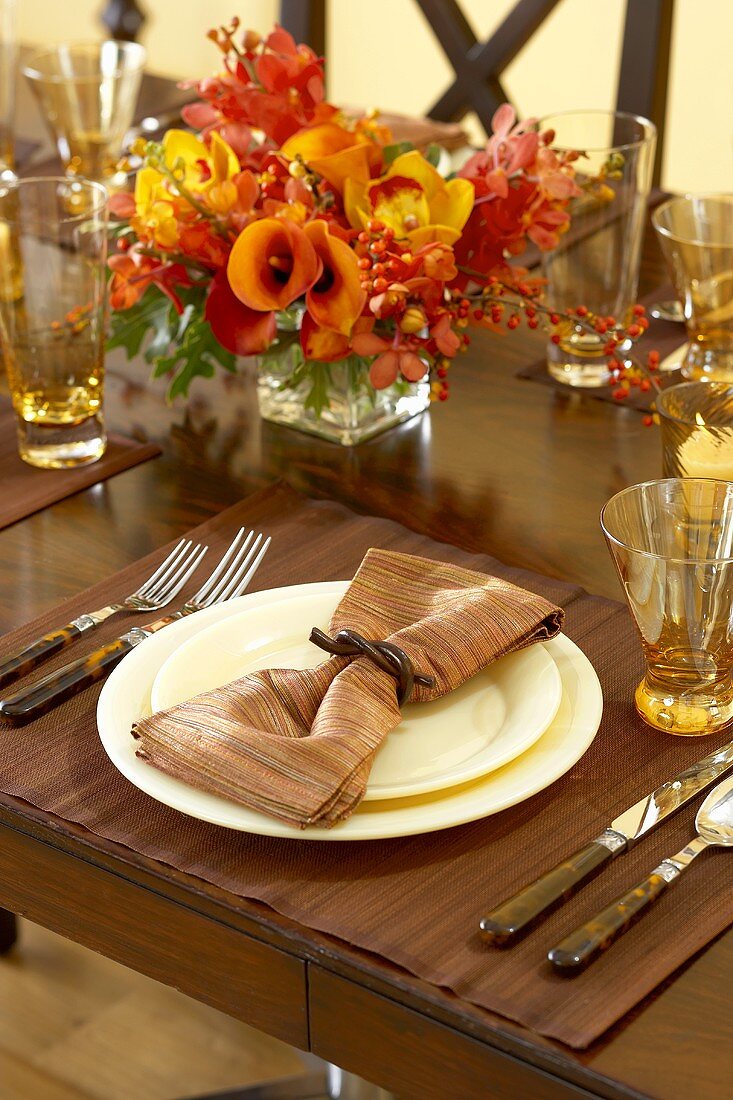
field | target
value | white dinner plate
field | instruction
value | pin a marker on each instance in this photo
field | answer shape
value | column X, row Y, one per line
column 126, row 697
column 488, row 721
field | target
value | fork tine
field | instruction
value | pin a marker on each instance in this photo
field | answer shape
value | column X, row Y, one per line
column 239, row 580
column 215, row 594
column 195, row 560
column 235, row 575
column 242, row 584
column 175, row 583
column 209, row 583
column 145, row 587
column 154, row 592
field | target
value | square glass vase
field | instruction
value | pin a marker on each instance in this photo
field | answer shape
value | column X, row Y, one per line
column 334, row 401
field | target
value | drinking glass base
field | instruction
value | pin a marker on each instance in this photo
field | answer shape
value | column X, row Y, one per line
column 692, row 715
column 60, row 447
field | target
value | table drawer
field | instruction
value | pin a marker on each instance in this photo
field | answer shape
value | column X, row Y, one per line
column 164, row 939
column 414, row 1056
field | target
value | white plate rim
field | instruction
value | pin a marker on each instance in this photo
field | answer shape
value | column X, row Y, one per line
column 514, row 783
column 539, row 663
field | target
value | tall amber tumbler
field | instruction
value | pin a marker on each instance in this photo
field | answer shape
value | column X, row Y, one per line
column 672, row 544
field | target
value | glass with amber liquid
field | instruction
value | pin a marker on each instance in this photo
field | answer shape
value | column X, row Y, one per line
column 672, row 544
column 8, row 59
column 696, row 236
column 53, row 253
column 87, row 93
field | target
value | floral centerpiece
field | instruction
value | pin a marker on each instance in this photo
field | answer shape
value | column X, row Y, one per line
column 345, row 261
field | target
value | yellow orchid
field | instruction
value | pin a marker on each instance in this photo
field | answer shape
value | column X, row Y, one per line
column 154, row 209
column 413, row 199
column 199, row 167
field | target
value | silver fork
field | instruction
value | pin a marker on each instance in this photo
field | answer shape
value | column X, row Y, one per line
column 156, row 592
column 230, row 578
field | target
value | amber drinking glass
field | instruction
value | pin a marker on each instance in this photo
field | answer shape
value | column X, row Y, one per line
column 672, row 544
column 696, row 236
column 696, row 422
column 8, row 59
column 596, row 263
column 87, row 93
column 52, row 315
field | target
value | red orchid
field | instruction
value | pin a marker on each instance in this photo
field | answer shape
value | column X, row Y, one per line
column 133, row 273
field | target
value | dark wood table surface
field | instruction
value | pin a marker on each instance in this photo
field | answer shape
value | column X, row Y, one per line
column 509, row 467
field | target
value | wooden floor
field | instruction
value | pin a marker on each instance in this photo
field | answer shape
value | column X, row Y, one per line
column 75, row 1026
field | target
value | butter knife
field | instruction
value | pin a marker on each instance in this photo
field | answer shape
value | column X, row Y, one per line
column 514, row 916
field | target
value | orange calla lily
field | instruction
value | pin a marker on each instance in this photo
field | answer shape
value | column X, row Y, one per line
column 336, row 298
column 239, row 329
column 334, row 153
column 272, row 263
column 321, row 344
column 413, row 199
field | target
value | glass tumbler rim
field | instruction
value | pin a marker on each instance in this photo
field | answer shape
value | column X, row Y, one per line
column 719, row 388
column 668, row 234
column 650, row 554
column 32, row 72
column 79, row 182
column 648, row 127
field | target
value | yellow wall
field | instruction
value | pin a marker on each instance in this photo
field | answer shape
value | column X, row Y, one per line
column 382, row 53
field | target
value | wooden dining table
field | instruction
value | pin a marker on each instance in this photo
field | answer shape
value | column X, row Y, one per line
column 506, row 466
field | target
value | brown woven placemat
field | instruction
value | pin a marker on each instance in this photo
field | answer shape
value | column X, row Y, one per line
column 415, row 901
column 25, row 489
column 665, row 336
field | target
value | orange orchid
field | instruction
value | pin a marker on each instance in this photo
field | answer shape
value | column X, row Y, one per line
column 413, row 200
column 335, row 153
column 392, row 359
column 272, row 263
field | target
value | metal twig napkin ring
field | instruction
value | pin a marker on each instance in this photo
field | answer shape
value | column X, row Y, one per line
column 386, row 655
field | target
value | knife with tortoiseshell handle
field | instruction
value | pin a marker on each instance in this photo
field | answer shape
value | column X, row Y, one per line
column 514, row 916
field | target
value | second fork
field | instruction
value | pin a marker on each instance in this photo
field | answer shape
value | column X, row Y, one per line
column 229, row 579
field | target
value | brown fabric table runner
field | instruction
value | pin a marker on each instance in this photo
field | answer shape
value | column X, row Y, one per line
column 665, row 336
column 25, row 489
column 416, row 901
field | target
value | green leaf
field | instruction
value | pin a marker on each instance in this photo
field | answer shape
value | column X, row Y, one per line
column 196, row 355
column 317, row 397
column 433, row 154
column 129, row 327
column 391, row 152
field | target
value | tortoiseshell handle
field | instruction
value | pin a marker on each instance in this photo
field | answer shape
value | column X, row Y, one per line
column 588, row 941
column 32, row 656
column 45, row 694
column 513, row 917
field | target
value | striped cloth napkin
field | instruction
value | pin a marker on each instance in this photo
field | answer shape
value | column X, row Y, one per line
column 299, row 745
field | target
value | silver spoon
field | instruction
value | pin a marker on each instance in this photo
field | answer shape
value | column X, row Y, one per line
column 670, row 310
column 714, row 824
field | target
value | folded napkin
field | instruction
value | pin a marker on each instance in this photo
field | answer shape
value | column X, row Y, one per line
column 300, row 745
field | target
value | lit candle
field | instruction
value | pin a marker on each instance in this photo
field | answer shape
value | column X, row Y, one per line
column 708, row 452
